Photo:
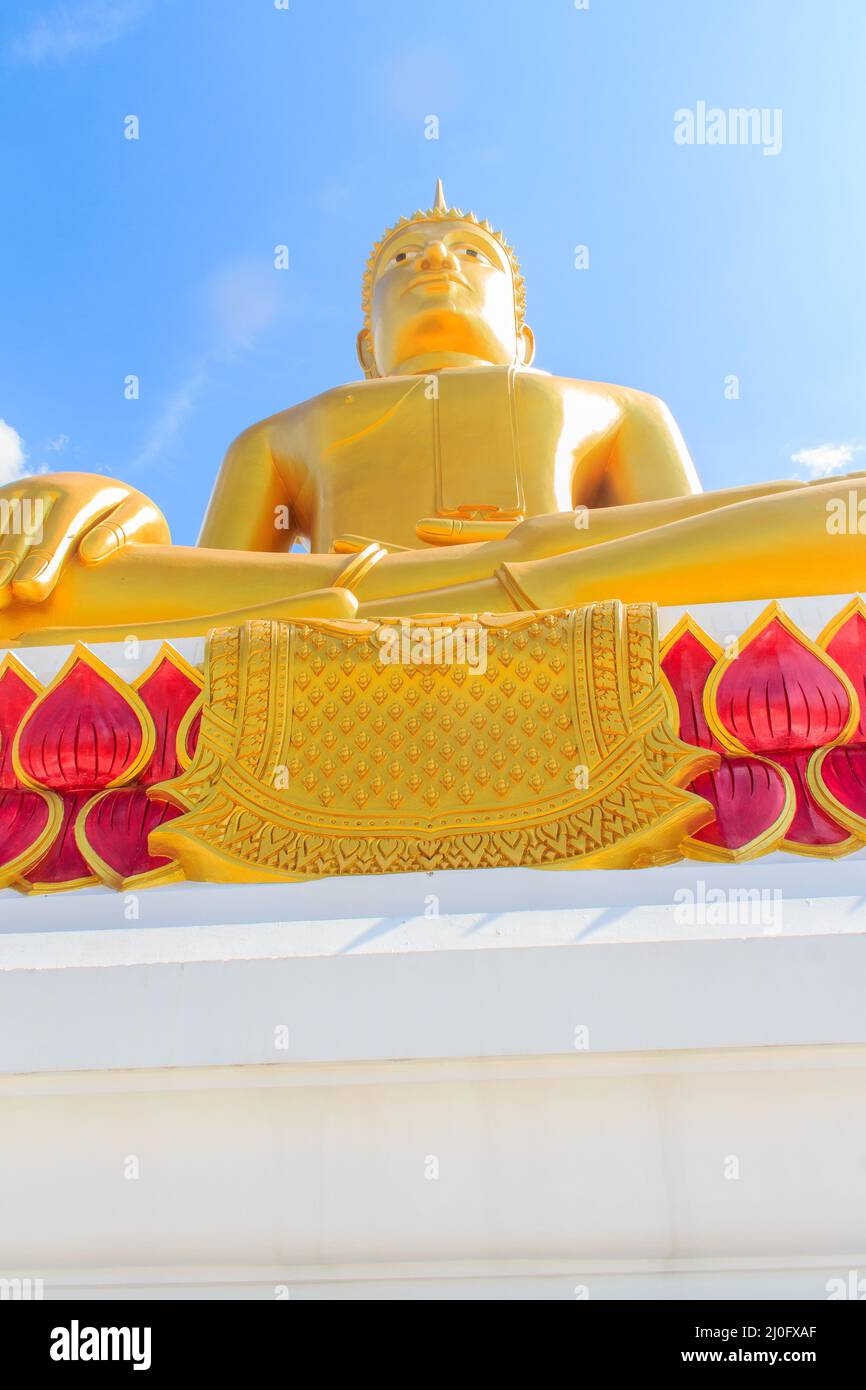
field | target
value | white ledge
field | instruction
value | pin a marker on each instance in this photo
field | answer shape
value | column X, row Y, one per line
column 514, row 963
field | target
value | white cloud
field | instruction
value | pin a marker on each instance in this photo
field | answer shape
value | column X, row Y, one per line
column 12, row 454
column 241, row 299
column 56, row 446
column 179, row 405
column 418, row 82
column 825, row 459
column 238, row 302
column 333, row 196
column 80, row 26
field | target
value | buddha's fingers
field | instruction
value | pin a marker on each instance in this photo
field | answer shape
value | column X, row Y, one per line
column 13, row 548
column 56, row 523
column 135, row 521
column 441, row 530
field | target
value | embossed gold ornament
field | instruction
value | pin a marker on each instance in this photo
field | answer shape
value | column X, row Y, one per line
column 317, row 757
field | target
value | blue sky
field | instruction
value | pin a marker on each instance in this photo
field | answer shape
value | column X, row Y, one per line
column 306, row 127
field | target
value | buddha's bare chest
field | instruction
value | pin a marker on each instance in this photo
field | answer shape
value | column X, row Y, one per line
column 458, row 444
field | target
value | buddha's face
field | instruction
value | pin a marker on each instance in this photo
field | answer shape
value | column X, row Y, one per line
column 442, row 295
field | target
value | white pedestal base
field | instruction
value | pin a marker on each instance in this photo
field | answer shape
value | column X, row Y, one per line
column 554, row 1089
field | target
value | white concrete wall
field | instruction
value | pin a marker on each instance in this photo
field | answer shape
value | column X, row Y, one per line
column 710, row 1139
column 553, row 1174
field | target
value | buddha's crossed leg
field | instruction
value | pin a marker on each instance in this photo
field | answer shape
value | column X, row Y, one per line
column 780, row 540
column 777, row 542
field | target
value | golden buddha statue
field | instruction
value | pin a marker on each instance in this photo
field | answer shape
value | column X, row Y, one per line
column 454, row 478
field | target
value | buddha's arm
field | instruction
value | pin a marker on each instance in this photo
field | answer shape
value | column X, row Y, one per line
column 251, row 506
column 745, row 543
column 648, row 458
column 649, row 463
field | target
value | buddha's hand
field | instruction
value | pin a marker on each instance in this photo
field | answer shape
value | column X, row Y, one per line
column 47, row 519
column 438, row 530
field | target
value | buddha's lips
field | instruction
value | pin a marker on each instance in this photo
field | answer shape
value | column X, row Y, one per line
column 437, row 277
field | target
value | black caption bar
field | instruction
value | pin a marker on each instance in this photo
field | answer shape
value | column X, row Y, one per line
column 153, row 1339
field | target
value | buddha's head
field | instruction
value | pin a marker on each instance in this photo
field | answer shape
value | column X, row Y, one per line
column 442, row 290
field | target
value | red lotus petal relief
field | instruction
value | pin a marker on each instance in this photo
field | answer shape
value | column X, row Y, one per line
column 116, row 828
column 167, row 690
column 63, row 866
column 84, row 732
column 16, row 697
column 847, row 647
column 748, row 797
column 811, row 825
column 843, row 773
column 24, row 818
column 778, row 695
column 687, row 665
column 838, row 775
column 27, row 818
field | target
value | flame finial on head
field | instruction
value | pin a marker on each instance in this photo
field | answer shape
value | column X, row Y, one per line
column 439, row 211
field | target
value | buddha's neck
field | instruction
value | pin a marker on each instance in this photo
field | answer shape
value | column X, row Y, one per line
column 440, row 362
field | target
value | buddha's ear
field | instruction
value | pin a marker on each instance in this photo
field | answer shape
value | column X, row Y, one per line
column 365, row 353
column 526, row 346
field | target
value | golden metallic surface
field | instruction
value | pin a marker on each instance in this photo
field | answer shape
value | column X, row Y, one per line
column 466, row 480
column 547, row 740
column 323, row 752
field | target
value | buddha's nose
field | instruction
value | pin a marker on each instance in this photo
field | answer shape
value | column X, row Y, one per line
column 436, row 256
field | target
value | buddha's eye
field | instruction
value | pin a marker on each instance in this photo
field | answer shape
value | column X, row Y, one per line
column 474, row 253
column 402, row 256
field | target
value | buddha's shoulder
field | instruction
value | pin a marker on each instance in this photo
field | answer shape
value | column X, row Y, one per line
column 583, row 387
column 294, row 419
column 528, row 382
column 529, row 379
column 348, row 394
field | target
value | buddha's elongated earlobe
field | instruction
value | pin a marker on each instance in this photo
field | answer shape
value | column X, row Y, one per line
column 526, row 346
column 364, row 347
